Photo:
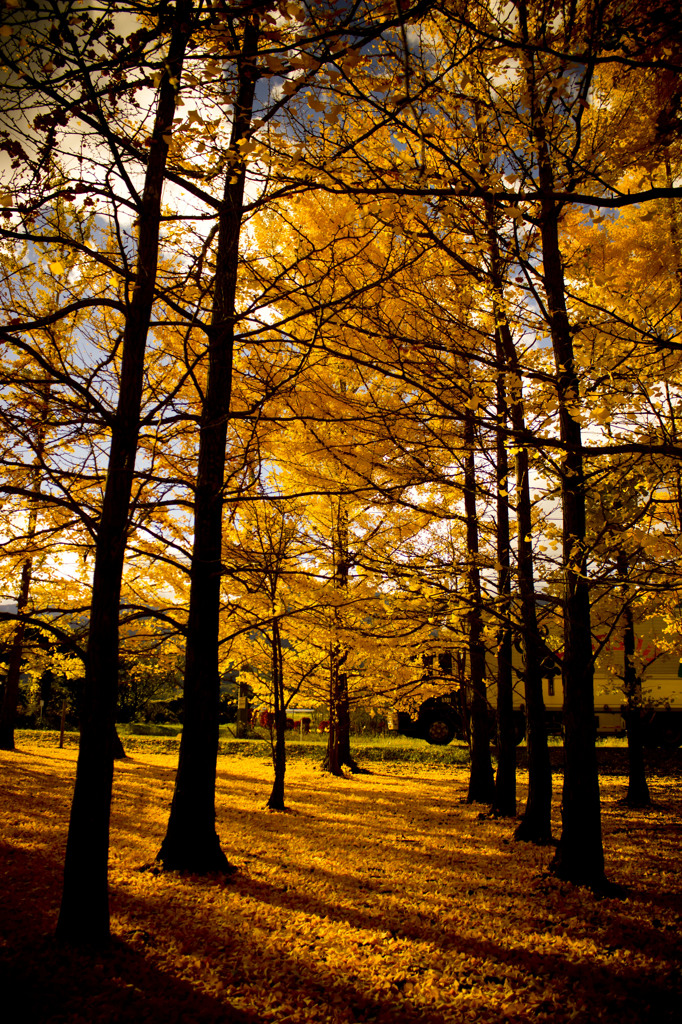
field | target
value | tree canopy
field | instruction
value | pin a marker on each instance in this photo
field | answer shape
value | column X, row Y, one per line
column 334, row 329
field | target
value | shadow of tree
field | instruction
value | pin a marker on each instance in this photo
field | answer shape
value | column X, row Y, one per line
column 323, row 910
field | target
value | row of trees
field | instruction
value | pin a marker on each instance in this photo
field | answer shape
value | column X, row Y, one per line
column 349, row 327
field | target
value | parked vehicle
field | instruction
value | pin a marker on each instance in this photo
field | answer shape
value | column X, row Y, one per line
column 444, row 717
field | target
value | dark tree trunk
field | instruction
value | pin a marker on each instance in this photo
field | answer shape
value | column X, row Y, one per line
column 637, row 794
column 345, row 756
column 481, row 778
column 638, row 789
column 279, row 762
column 10, row 696
column 536, row 822
column 504, row 803
column 332, row 757
column 84, row 913
column 117, row 747
column 579, row 857
column 338, row 751
column 191, row 842
column 279, row 754
column 463, row 703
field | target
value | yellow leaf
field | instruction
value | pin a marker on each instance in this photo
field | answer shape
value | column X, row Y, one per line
column 57, row 267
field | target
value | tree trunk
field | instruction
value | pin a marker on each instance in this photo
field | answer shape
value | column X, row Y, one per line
column 118, row 750
column 536, row 822
column 338, row 748
column 279, row 755
column 504, row 803
column 638, row 790
column 84, row 913
column 276, row 798
column 345, row 756
column 10, row 697
column 332, row 757
column 579, row 857
column 191, row 842
column 481, row 778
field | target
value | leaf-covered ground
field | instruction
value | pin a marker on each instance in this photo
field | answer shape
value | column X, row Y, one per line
column 379, row 898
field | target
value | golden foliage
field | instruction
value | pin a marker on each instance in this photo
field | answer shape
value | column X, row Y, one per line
column 381, row 898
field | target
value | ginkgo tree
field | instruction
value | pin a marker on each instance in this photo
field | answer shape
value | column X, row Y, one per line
column 265, row 558
column 549, row 139
column 382, row 252
column 32, row 51
column 254, row 37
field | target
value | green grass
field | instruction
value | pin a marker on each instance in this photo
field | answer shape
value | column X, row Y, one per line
column 162, row 738
column 166, row 740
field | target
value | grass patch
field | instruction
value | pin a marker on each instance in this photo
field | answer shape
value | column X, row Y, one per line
column 166, row 740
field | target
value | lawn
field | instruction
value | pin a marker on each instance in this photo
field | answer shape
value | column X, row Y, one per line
column 382, row 897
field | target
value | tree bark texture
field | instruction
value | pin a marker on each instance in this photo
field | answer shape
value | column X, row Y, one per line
column 338, row 747
column 10, row 697
column 84, row 913
column 481, row 778
column 191, row 842
column 504, row 803
column 279, row 755
column 638, row 789
column 579, row 857
column 536, row 821
column 332, row 757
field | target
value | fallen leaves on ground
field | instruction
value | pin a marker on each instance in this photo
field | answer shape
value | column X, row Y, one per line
column 379, row 897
